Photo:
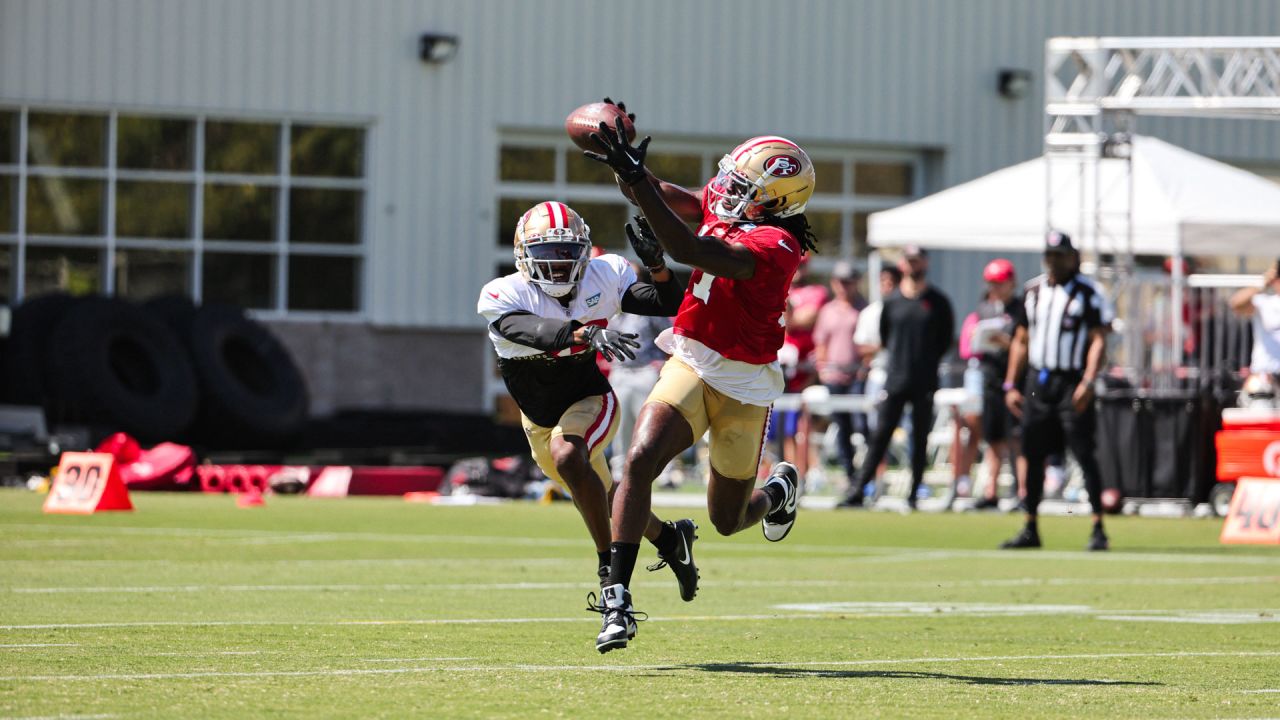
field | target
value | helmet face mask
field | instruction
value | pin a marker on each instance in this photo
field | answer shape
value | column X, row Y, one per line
column 764, row 176
column 552, row 248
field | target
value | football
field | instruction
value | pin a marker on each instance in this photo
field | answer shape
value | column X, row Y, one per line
column 586, row 120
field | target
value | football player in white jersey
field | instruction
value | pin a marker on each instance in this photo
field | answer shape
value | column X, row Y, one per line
column 547, row 321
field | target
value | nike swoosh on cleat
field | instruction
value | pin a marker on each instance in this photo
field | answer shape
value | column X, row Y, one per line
column 685, row 559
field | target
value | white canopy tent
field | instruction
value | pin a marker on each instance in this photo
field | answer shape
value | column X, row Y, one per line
column 1183, row 203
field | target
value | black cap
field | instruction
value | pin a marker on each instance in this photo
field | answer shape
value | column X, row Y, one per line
column 1058, row 241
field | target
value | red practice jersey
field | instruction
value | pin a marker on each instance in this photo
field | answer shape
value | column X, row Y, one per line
column 741, row 319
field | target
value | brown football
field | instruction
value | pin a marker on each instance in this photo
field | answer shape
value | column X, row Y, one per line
column 586, row 120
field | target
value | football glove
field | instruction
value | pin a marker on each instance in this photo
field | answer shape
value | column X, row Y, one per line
column 645, row 243
column 626, row 160
column 621, row 106
column 612, row 344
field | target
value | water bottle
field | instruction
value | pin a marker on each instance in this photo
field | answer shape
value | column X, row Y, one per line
column 973, row 378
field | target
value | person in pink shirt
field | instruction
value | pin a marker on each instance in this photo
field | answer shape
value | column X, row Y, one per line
column 837, row 359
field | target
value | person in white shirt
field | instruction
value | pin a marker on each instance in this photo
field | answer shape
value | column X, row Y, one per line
column 1263, row 306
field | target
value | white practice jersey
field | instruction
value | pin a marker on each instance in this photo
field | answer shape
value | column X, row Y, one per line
column 598, row 299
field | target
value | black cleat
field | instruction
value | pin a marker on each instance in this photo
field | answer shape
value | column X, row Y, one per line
column 852, row 501
column 1098, row 541
column 1028, row 538
column 778, row 522
column 681, row 563
column 620, row 618
column 987, row 503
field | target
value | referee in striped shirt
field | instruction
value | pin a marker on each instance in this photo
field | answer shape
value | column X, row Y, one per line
column 1061, row 337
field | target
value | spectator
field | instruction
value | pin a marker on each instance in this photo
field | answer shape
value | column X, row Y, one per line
column 1263, row 306
column 917, row 327
column 866, row 339
column 986, row 336
column 804, row 300
column 834, row 353
column 632, row 379
column 1061, row 338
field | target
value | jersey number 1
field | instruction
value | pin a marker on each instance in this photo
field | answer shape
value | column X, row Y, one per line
column 702, row 288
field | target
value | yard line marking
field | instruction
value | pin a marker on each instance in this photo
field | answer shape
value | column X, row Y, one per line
column 481, row 587
column 1268, row 690
column 198, row 653
column 62, row 717
column 414, row 659
column 12, row 646
column 411, row 621
column 866, row 553
column 617, row 668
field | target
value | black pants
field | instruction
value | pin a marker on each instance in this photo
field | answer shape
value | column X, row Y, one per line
column 845, row 424
column 921, row 399
column 1050, row 424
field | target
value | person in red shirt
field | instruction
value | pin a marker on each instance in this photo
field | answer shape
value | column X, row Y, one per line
column 723, row 374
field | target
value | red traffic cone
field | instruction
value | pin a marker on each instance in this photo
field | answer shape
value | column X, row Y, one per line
column 250, row 499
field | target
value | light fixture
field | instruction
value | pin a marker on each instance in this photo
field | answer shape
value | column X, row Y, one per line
column 437, row 48
column 1013, row 84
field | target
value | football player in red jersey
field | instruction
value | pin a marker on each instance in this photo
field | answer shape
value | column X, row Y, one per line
column 723, row 374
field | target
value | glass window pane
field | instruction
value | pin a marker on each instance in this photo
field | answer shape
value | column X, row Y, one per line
column 144, row 274
column 8, row 137
column 324, row 216
column 64, row 206
column 527, row 164
column 153, row 209
column 326, row 151
column 683, row 170
column 882, row 179
column 74, row 270
column 238, row 147
column 243, row 280
column 67, row 140
column 860, row 234
column 327, row 284
column 606, row 221
column 8, row 201
column 827, row 228
column 239, row 212
column 151, row 143
column 581, row 170
column 510, row 211
column 6, row 273
column 830, row 176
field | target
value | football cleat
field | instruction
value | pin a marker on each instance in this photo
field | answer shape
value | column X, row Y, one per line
column 681, row 562
column 620, row 618
column 1028, row 538
column 778, row 522
column 1098, row 541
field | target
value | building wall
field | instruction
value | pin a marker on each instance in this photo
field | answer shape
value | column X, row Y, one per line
column 911, row 74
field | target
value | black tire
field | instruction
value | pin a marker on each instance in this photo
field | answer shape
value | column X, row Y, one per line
column 114, row 364
column 252, row 393
column 26, row 359
column 176, row 311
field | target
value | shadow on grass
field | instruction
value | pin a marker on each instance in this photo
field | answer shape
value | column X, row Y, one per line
column 780, row 671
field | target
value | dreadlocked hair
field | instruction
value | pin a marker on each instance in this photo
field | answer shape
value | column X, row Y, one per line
column 798, row 226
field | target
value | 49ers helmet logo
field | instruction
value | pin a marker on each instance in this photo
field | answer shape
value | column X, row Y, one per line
column 782, row 166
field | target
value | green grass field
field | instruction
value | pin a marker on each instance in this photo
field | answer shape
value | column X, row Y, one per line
column 191, row 607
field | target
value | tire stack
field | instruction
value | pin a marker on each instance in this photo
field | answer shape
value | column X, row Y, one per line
column 164, row 371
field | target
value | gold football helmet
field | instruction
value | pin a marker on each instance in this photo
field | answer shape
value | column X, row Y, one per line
column 764, row 176
column 552, row 247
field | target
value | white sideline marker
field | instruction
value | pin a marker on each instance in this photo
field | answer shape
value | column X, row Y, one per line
column 340, row 672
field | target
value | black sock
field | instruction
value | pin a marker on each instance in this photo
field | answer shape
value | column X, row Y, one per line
column 777, row 495
column 603, row 559
column 666, row 542
column 622, row 562
column 1097, row 526
column 1031, row 524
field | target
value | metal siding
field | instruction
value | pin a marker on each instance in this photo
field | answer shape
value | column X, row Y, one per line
column 905, row 73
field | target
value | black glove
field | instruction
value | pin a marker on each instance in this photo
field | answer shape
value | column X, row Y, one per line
column 645, row 243
column 626, row 160
column 621, row 106
column 612, row 344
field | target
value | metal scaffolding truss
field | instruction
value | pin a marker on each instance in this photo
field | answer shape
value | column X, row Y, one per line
column 1095, row 88
column 1088, row 79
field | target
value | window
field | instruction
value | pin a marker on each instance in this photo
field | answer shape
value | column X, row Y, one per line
column 852, row 183
column 265, row 214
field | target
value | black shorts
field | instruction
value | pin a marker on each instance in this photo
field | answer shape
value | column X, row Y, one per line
column 997, row 422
